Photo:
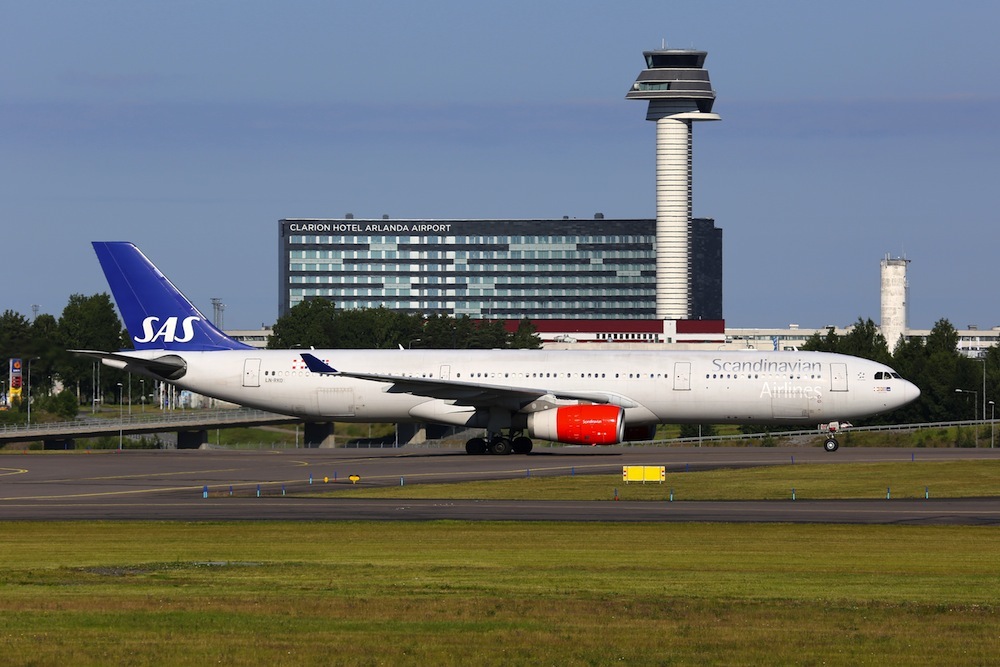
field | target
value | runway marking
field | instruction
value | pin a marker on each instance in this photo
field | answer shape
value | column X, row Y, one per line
column 271, row 484
column 129, row 492
column 12, row 471
column 152, row 474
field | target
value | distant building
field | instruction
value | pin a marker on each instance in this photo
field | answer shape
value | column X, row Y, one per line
column 492, row 269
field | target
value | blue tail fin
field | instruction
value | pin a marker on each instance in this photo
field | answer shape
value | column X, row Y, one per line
column 156, row 314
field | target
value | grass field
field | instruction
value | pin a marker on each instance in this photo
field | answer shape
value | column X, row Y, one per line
column 455, row 593
column 509, row 593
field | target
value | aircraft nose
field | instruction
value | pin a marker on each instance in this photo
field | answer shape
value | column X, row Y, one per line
column 911, row 392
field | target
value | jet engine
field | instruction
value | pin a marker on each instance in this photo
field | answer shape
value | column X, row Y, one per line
column 579, row 424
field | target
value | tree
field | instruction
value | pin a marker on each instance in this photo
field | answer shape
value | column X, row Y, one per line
column 864, row 340
column 63, row 404
column 440, row 332
column 375, row 328
column 48, row 352
column 817, row 343
column 15, row 334
column 487, row 335
column 909, row 360
column 525, row 338
column 90, row 323
column 307, row 324
column 938, row 368
column 942, row 338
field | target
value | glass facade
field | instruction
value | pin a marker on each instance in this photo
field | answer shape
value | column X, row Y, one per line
column 498, row 269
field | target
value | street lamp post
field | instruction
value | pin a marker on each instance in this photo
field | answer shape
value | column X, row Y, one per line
column 992, row 422
column 121, row 417
column 983, row 359
column 975, row 408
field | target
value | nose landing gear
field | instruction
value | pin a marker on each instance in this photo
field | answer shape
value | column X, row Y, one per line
column 831, row 429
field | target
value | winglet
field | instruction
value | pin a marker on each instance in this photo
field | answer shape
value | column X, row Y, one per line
column 317, row 366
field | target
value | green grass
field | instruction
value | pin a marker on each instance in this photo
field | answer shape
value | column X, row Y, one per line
column 450, row 593
column 946, row 479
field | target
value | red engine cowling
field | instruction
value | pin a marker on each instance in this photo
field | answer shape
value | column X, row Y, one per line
column 579, row 424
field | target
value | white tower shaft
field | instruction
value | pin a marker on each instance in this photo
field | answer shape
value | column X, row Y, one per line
column 673, row 216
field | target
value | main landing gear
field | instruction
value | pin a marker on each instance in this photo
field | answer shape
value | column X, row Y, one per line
column 831, row 444
column 499, row 444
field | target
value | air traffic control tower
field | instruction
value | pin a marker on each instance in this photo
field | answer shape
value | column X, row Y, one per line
column 679, row 92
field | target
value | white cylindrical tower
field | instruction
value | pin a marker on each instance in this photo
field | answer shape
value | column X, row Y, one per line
column 679, row 93
column 895, row 296
column 673, row 214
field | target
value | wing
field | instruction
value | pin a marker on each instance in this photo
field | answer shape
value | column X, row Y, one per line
column 471, row 393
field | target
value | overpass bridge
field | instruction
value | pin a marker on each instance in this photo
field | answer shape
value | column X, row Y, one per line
column 191, row 427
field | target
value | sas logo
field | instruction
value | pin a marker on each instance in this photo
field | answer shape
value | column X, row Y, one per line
column 167, row 331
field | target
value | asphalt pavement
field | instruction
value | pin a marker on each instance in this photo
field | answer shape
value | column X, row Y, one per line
column 211, row 485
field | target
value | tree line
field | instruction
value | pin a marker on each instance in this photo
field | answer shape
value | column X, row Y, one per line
column 319, row 323
column 933, row 363
column 86, row 323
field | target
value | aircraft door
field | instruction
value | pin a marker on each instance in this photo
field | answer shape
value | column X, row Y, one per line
column 251, row 373
column 445, row 372
column 336, row 402
column 682, row 376
column 838, row 377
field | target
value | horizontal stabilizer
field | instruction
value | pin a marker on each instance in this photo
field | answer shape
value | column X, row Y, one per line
column 167, row 367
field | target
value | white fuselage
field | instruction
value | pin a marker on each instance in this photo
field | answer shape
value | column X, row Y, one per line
column 652, row 387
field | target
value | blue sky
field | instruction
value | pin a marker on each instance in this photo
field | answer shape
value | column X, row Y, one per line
column 849, row 130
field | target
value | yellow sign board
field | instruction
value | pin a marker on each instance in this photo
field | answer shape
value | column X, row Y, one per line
column 644, row 474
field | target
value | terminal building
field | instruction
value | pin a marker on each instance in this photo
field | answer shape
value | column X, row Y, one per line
column 565, row 268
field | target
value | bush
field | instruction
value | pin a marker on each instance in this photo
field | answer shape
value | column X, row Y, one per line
column 63, row 404
column 964, row 438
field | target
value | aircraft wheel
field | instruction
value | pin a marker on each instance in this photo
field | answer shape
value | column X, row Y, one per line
column 475, row 446
column 500, row 446
column 831, row 445
column 521, row 445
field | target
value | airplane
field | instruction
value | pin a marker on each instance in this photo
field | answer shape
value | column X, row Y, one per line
column 586, row 397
